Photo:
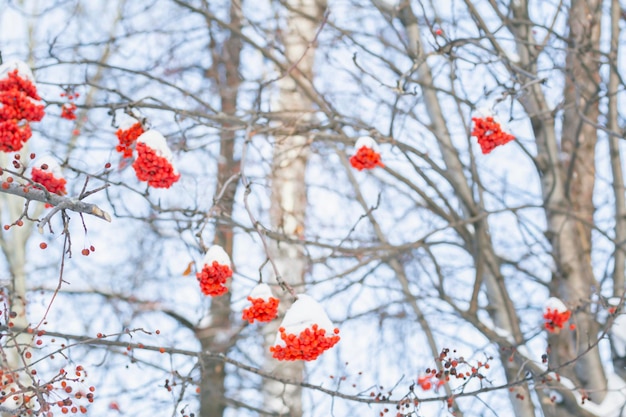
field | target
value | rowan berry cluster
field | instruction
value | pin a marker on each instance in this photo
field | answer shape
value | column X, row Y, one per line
column 261, row 310
column 213, row 278
column 555, row 320
column 127, row 138
column 153, row 168
column 308, row 345
column 19, row 107
column 366, row 156
column 49, row 181
column 556, row 314
column 489, row 133
column 70, row 386
column 68, row 110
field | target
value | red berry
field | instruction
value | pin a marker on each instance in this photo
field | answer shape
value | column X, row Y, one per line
column 43, row 245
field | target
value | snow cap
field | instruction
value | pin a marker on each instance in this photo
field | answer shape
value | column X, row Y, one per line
column 156, row 141
column 262, row 291
column 15, row 64
column 366, row 141
column 128, row 122
column 554, row 304
column 303, row 314
column 53, row 165
column 216, row 253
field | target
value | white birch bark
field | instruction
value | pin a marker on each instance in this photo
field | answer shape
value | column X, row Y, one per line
column 288, row 206
column 13, row 243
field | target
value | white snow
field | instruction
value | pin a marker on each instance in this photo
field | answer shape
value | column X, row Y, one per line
column 613, row 401
column 618, row 335
column 216, row 253
column 366, row 141
column 127, row 123
column 262, row 291
column 22, row 69
column 156, row 142
column 53, row 165
column 303, row 314
column 512, row 56
column 554, row 304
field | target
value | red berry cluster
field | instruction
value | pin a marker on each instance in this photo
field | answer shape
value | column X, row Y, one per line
column 556, row 319
column 308, row 345
column 73, row 395
column 366, row 158
column 213, row 277
column 68, row 110
column 452, row 368
column 489, row 133
column 156, row 170
column 425, row 382
column 261, row 310
column 127, row 138
column 18, row 100
column 49, row 181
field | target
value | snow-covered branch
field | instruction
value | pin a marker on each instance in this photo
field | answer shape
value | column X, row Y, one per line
column 58, row 202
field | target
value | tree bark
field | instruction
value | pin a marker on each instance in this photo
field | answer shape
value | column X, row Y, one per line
column 567, row 180
column 212, row 384
column 289, row 199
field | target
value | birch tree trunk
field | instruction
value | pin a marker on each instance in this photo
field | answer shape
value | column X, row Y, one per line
column 570, row 212
column 13, row 243
column 289, row 200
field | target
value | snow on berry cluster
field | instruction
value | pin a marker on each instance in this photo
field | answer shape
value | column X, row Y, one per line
column 127, row 135
column 305, row 333
column 153, row 163
column 215, row 271
column 264, row 307
column 556, row 315
column 47, row 172
column 489, row 132
column 367, row 156
column 19, row 105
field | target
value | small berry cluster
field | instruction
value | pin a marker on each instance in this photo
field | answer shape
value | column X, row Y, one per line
column 70, row 404
column 49, row 181
column 555, row 320
column 452, row 368
column 18, row 100
column 153, row 168
column 556, row 314
column 262, row 310
column 68, row 110
column 308, row 345
column 425, row 382
column 213, row 277
column 366, row 158
column 489, row 133
column 127, row 138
